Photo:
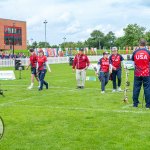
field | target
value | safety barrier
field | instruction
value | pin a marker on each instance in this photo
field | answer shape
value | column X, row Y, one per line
column 51, row 60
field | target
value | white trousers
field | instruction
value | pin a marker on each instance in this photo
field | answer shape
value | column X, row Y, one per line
column 80, row 77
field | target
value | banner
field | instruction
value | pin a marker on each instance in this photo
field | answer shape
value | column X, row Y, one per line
column 128, row 65
column 7, row 75
column 90, row 78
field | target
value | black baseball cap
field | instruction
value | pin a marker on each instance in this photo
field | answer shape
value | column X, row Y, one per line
column 81, row 49
column 31, row 50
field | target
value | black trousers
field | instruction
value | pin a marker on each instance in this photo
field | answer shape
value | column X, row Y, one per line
column 138, row 82
column 104, row 78
column 41, row 78
column 116, row 74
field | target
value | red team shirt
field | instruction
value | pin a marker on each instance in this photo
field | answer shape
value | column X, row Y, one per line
column 141, row 58
column 115, row 60
column 80, row 61
column 33, row 60
column 42, row 62
column 104, row 64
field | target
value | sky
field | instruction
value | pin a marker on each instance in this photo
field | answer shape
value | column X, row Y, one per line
column 75, row 19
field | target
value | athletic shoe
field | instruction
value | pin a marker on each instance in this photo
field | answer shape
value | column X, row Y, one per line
column 114, row 90
column 39, row 84
column 135, row 106
column 82, row 87
column 47, row 86
column 30, row 87
column 102, row 92
column 78, row 87
column 147, row 108
column 119, row 89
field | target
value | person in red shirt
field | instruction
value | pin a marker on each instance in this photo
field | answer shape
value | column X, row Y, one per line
column 80, row 63
column 141, row 58
column 103, row 71
column 115, row 61
column 42, row 67
column 32, row 63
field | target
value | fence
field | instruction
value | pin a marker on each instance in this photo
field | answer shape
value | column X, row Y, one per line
column 51, row 60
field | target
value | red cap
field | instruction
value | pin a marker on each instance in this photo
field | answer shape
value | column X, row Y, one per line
column 41, row 51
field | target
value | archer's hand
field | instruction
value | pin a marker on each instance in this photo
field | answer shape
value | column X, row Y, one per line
column 114, row 68
column 86, row 68
column 96, row 73
column 110, row 71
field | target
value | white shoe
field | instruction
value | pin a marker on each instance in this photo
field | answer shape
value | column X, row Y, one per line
column 119, row 89
column 39, row 84
column 114, row 90
column 102, row 92
column 30, row 87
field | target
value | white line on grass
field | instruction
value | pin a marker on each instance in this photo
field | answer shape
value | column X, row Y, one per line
column 141, row 111
column 43, row 95
column 66, row 89
column 8, row 103
column 61, row 87
column 69, row 108
column 127, row 106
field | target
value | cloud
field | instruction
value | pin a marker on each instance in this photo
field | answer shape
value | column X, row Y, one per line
column 103, row 28
column 145, row 3
column 119, row 33
column 72, row 28
column 65, row 17
column 75, row 19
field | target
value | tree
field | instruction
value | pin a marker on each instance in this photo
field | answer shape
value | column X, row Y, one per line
column 35, row 44
column 109, row 40
column 54, row 46
column 96, row 39
column 133, row 33
column 91, row 43
column 42, row 45
column 147, row 37
column 120, row 42
column 79, row 44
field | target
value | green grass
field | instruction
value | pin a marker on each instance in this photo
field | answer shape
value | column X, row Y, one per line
column 64, row 118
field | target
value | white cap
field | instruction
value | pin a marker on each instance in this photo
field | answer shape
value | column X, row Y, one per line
column 105, row 53
column 114, row 49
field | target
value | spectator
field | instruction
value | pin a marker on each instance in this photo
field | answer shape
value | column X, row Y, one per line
column 81, row 62
column 103, row 71
column 115, row 61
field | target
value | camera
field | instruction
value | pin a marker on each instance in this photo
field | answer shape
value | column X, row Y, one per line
column 18, row 65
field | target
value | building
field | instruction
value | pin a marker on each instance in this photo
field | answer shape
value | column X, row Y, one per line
column 12, row 35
